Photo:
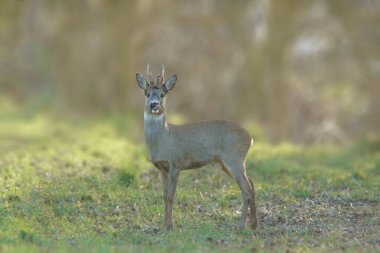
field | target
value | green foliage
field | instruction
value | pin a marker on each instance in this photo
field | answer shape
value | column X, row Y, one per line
column 126, row 178
column 306, row 71
column 74, row 186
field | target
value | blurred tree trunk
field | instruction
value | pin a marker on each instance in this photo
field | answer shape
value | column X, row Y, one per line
column 267, row 68
column 364, row 38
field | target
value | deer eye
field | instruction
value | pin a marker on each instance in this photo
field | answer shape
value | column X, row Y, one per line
column 148, row 94
column 162, row 95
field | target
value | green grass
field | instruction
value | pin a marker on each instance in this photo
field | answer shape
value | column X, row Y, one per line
column 87, row 187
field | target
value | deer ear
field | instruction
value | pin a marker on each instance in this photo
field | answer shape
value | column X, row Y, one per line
column 169, row 84
column 143, row 84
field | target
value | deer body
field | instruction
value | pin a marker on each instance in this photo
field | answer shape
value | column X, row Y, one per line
column 194, row 145
column 172, row 148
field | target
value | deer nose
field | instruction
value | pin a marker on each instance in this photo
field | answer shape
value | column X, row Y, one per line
column 154, row 105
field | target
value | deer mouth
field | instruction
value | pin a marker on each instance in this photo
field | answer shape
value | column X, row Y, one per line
column 155, row 107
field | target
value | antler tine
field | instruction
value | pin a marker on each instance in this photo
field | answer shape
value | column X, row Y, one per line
column 148, row 69
column 149, row 73
column 162, row 73
column 160, row 77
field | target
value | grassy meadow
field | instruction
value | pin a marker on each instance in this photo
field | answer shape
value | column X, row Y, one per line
column 74, row 186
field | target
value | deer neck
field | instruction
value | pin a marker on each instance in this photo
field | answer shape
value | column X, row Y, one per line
column 156, row 131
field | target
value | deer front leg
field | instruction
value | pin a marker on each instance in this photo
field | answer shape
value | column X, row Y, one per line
column 172, row 184
column 165, row 182
column 165, row 186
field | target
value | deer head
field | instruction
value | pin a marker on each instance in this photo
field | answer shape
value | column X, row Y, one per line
column 155, row 94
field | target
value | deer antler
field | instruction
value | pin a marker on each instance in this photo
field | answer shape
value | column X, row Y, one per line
column 162, row 73
column 150, row 78
column 160, row 77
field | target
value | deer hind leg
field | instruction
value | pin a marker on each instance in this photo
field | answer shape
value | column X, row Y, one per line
column 254, row 218
column 236, row 169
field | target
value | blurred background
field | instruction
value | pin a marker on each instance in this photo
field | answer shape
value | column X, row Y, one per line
column 303, row 71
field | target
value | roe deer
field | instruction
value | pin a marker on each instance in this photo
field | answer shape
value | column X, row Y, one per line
column 172, row 148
